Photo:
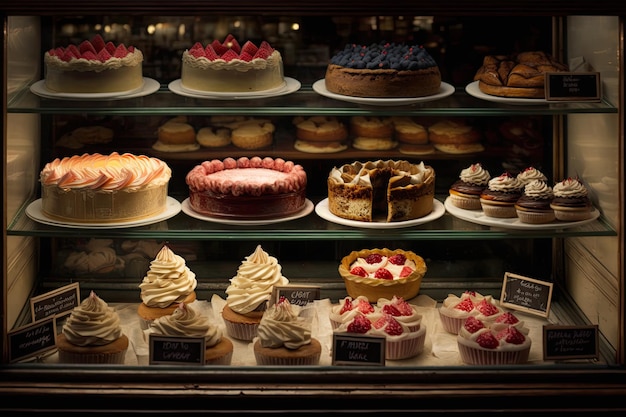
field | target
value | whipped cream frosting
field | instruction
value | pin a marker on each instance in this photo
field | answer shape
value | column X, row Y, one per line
column 475, row 174
column 282, row 325
column 470, row 338
column 530, row 174
column 371, row 268
column 168, row 280
column 187, row 322
column 92, row 323
column 569, row 188
column 452, row 300
column 538, row 190
column 410, row 318
column 505, row 183
column 236, row 64
column 132, row 59
column 105, row 172
column 256, row 277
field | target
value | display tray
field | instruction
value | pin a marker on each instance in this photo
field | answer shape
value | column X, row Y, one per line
column 35, row 212
column 323, row 211
column 445, row 90
column 291, row 85
column 478, row 217
column 149, row 86
column 473, row 90
column 186, row 207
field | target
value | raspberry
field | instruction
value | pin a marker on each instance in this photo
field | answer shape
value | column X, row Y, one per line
column 398, row 259
column 511, row 335
column 391, row 310
column 383, row 273
column 358, row 270
column 465, row 305
column 393, row 328
column 404, row 307
column 486, row 308
column 487, row 340
column 406, row 271
column 365, row 307
column 507, row 318
column 360, row 324
column 472, row 324
column 347, row 306
column 374, row 258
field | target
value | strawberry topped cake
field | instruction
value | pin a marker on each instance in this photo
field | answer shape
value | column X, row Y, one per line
column 455, row 310
column 382, row 273
column 94, row 66
column 231, row 67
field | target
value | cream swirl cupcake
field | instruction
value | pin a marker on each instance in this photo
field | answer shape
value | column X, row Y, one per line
column 92, row 334
column 167, row 283
column 465, row 192
column 498, row 199
column 248, row 293
column 534, row 204
column 531, row 174
column 284, row 337
column 187, row 322
column 571, row 202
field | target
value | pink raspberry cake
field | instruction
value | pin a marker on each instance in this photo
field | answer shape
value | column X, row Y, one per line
column 247, row 188
column 93, row 66
column 348, row 308
column 455, row 310
column 228, row 67
column 484, row 343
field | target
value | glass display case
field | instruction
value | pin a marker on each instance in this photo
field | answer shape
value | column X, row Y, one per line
column 581, row 263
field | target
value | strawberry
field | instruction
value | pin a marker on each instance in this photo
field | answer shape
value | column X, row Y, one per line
column 98, row 43
column 73, row 49
column 470, row 292
column 404, row 307
column 358, row 270
column 397, row 259
column 374, row 258
column 86, row 46
column 406, row 271
column 391, row 310
column 266, row 46
column 89, row 56
column 487, row 340
column 218, row 47
column 511, row 335
column 262, row 54
column 486, row 308
column 230, row 55
column 197, row 53
column 507, row 318
column 234, row 45
column 360, row 324
column 195, row 46
column 249, row 48
column 103, row 55
column 246, row 57
column 120, row 51
column 472, row 324
column 347, row 306
column 365, row 307
column 67, row 56
column 465, row 305
column 210, row 53
column 391, row 325
column 110, row 47
column 383, row 273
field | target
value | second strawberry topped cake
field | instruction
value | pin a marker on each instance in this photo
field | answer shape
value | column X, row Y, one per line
column 455, row 310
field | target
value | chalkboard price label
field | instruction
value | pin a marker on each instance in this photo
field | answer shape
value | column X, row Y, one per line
column 570, row 342
column 296, row 295
column 32, row 340
column 55, row 303
column 526, row 294
column 352, row 349
column 573, row 86
column 176, row 350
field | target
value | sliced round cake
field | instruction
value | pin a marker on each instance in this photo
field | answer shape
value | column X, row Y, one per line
column 247, row 188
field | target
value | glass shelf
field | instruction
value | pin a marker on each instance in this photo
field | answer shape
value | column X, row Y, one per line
column 310, row 227
column 303, row 102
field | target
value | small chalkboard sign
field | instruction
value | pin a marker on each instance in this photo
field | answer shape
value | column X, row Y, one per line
column 356, row 349
column 300, row 295
column 573, row 86
column 32, row 340
column 526, row 294
column 570, row 342
column 176, row 350
column 55, row 303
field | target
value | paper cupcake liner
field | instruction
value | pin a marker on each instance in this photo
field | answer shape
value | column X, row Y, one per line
column 223, row 360
column 283, row 361
column 535, row 217
column 572, row 216
column 465, row 203
column 502, row 212
column 451, row 324
column 475, row 356
column 406, row 348
column 117, row 358
column 241, row 331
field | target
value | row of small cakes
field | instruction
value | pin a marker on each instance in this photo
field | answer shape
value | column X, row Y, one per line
column 526, row 195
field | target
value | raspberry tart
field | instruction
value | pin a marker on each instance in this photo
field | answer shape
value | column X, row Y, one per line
column 93, row 66
column 382, row 273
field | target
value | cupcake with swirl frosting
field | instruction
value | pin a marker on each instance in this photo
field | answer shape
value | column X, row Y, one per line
column 465, row 192
column 92, row 334
column 534, row 205
column 284, row 337
column 185, row 321
column 500, row 196
column 248, row 293
column 571, row 202
column 167, row 283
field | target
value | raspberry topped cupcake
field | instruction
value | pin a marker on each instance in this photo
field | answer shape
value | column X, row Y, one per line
column 348, row 308
column 455, row 310
column 483, row 344
column 571, row 202
column 498, row 199
column 465, row 192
